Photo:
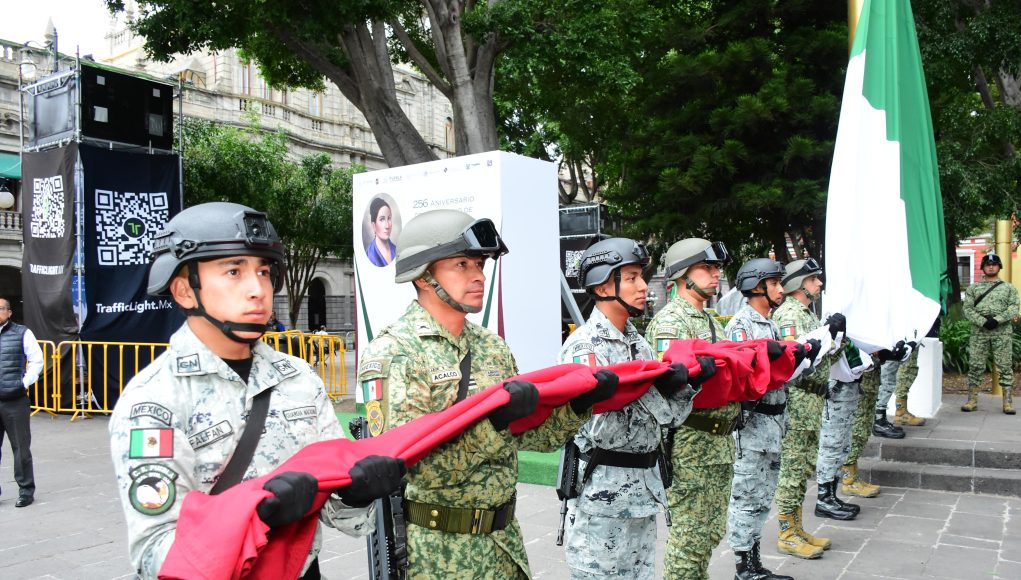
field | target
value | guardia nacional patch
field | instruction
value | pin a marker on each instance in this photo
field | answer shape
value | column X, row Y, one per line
column 188, row 364
column 284, row 367
column 153, row 488
column 375, row 417
column 788, row 332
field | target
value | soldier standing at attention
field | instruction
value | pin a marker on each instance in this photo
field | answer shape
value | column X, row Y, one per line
column 794, row 318
column 460, row 499
column 702, row 448
column 185, row 421
column 612, row 522
column 991, row 306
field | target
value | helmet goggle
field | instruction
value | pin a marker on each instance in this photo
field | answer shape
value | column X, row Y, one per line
column 715, row 254
column 611, row 257
column 480, row 238
column 810, row 268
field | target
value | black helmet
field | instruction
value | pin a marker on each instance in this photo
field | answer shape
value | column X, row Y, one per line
column 753, row 272
column 991, row 258
column 603, row 257
column 213, row 230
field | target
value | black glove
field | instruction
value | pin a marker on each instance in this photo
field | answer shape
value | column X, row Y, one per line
column 672, row 380
column 837, row 323
column 373, row 477
column 606, row 386
column 799, row 354
column 293, row 494
column 990, row 323
column 774, row 349
column 898, row 352
column 816, row 349
column 708, row 370
column 524, row 398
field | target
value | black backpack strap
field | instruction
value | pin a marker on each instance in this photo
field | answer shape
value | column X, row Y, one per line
column 986, row 293
column 243, row 453
column 466, row 375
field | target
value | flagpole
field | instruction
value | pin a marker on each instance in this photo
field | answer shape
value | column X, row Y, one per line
column 853, row 14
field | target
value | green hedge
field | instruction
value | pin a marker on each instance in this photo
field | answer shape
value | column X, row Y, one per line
column 954, row 334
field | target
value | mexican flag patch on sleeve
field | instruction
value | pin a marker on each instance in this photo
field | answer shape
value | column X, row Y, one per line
column 788, row 332
column 588, row 359
column 372, row 390
column 738, row 336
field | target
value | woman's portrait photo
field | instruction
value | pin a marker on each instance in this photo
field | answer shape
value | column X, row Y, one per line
column 382, row 224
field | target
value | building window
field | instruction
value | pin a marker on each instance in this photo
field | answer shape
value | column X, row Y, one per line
column 315, row 104
column 245, row 78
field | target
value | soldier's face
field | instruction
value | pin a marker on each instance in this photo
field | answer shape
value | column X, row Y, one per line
column 234, row 289
column 462, row 278
column 813, row 284
column 633, row 288
column 774, row 290
column 705, row 275
column 991, row 270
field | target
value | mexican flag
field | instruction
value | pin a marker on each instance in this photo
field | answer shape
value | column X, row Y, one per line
column 886, row 266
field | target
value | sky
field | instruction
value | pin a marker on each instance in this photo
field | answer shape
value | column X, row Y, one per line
column 80, row 23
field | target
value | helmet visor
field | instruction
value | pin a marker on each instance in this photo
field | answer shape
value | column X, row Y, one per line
column 611, row 257
column 810, row 268
column 480, row 238
column 715, row 253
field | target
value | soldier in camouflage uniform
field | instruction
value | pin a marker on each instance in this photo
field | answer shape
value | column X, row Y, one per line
column 991, row 306
column 179, row 420
column 906, row 375
column 803, row 286
column 611, row 529
column 460, row 500
column 881, row 426
column 765, row 421
column 703, row 450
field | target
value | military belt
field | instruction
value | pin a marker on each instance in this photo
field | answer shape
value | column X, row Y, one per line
column 458, row 520
column 710, row 425
column 621, row 459
column 818, row 390
column 766, row 409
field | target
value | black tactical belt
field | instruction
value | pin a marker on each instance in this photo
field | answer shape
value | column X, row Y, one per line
column 772, row 410
column 459, row 520
column 818, row 390
column 710, row 425
column 621, row 459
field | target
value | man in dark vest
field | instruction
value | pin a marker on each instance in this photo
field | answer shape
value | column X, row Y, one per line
column 21, row 361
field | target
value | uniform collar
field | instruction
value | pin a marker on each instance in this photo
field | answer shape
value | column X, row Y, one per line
column 425, row 324
column 753, row 314
column 193, row 358
column 605, row 329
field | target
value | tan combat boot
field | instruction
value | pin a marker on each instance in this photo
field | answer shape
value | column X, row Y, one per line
column 853, row 485
column 903, row 417
column 791, row 542
column 972, row 402
column 1008, row 401
column 817, row 541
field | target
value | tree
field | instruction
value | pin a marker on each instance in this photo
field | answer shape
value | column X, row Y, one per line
column 308, row 202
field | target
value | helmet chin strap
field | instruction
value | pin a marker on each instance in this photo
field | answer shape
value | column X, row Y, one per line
column 773, row 305
column 632, row 311
column 811, row 297
column 442, row 295
column 705, row 293
column 226, row 327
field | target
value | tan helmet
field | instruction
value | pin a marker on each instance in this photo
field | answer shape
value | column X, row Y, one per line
column 685, row 253
column 797, row 271
column 444, row 233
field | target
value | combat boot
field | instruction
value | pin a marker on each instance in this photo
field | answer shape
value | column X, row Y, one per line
column 903, row 417
column 764, row 573
column 791, row 542
column 817, row 541
column 828, row 506
column 745, row 567
column 1008, row 401
column 851, row 484
column 972, row 403
column 882, row 427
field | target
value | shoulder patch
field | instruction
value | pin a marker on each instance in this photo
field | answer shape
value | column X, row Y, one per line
column 738, row 335
column 581, row 346
column 374, row 415
column 155, row 443
column 153, row 488
column 189, row 364
column 372, row 389
column 150, row 409
column 210, row 435
column 666, row 332
column 284, row 367
column 585, row 358
column 788, row 332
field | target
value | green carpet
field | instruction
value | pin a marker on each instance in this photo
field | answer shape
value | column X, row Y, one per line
column 533, row 467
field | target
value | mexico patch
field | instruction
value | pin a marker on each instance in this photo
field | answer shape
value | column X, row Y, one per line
column 788, row 332
column 738, row 336
column 588, row 359
column 375, row 417
column 372, row 390
column 154, row 410
column 153, row 488
column 151, row 443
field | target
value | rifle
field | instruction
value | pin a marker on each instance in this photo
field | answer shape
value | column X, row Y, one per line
column 388, row 545
column 567, row 483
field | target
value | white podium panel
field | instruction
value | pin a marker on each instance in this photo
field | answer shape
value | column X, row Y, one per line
column 926, row 394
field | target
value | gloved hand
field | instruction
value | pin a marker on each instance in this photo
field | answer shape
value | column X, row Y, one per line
column 708, row 370
column 606, row 386
column 799, row 354
column 990, row 323
column 837, row 323
column 898, row 352
column 293, row 494
column 774, row 349
column 524, row 398
column 672, row 380
column 373, row 477
column 816, row 349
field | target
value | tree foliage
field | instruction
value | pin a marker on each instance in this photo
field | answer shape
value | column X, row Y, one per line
column 308, row 201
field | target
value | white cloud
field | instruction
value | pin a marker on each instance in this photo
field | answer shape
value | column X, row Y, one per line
column 79, row 23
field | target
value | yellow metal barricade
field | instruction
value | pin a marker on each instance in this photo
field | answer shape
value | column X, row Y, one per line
column 325, row 352
column 44, row 393
column 97, row 372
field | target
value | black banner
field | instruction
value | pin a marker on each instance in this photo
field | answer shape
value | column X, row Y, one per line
column 49, row 227
column 571, row 250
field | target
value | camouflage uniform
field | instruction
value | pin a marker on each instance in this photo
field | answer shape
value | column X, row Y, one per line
column 907, row 373
column 703, row 462
column 1001, row 304
column 612, row 523
column 888, row 381
column 835, row 434
column 758, row 462
column 179, row 420
column 801, row 442
column 865, row 415
column 416, row 360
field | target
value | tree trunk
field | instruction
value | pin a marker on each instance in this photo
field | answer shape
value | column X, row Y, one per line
column 952, row 274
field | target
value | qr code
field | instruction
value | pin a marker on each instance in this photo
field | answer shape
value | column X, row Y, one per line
column 48, row 207
column 572, row 261
column 125, row 225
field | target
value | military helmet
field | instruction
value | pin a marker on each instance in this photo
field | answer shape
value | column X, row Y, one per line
column 991, row 258
column 685, row 253
column 603, row 257
column 444, row 233
column 755, row 271
column 797, row 271
column 213, row 230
